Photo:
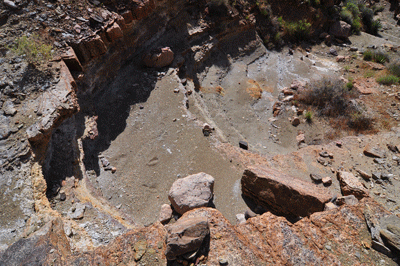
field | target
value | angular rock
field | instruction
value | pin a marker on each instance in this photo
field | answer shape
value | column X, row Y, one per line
column 349, row 200
column 165, row 213
column 364, row 175
column 350, row 185
column 366, row 85
column 114, row 32
column 9, row 108
column 244, row 145
column 186, row 235
column 191, row 192
column 340, row 29
column 295, row 121
column 391, row 230
column 327, row 181
column 76, row 211
column 240, row 218
column 374, row 152
column 282, row 193
column 340, row 58
column 330, row 206
column 159, row 58
column 95, row 46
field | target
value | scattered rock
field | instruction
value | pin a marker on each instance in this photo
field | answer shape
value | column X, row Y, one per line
column 240, row 218
column 297, row 84
column 348, row 200
column 364, row 175
column 392, row 148
column 207, row 129
column 223, row 261
column 270, row 189
column 244, row 145
column 366, row 85
column 295, row 121
column 165, row 213
column 8, row 108
column 191, row 192
column 114, row 32
column 376, row 175
column 63, row 196
column 300, row 138
column 350, row 185
column 391, row 231
column 340, row 29
column 327, row 181
column 325, row 154
column 10, row 4
column 340, row 58
column 353, row 49
column 329, row 206
column 374, row 152
column 316, row 178
column 186, row 235
column 159, row 58
column 76, row 211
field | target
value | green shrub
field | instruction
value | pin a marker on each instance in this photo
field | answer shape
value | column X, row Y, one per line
column 368, row 55
column 395, row 69
column 388, row 80
column 346, row 16
column 35, row 50
column 356, row 25
column 369, row 74
column 381, row 57
column 299, row 30
column 375, row 27
column 349, row 85
column 309, row 116
column 378, row 9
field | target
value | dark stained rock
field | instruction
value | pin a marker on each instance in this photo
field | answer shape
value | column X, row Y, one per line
column 282, row 193
column 114, row 32
column 159, row 58
column 71, row 60
column 340, row 29
column 186, row 235
column 350, row 185
column 244, row 145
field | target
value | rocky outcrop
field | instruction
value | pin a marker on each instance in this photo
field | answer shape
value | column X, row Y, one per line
column 191, row 192
column 340, row 29
column 350, row 185
column 282, row 193
column 186, row 235
column 159, row 58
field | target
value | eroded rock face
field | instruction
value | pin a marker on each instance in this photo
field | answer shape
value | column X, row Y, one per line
column 186, row 235
column 350, row 185
column 282, row 193
column 191, row 192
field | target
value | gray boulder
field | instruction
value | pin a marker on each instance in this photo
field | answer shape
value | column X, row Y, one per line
column 191, row 192
column 340, row 29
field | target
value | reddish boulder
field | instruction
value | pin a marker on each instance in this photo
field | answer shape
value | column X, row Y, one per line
column 159, row 58
column 282, row 193
column 95, row 46
column 350, row 185
column 114, row 32
column 71, row 60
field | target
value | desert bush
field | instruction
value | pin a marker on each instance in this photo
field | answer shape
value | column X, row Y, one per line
column 34, row 49
column 379, row 57
column 395, row 69
column 309, row 116
column 346, row 16
column 359, row 121
column 349, row 85
column 298, row 30
column 388, row 80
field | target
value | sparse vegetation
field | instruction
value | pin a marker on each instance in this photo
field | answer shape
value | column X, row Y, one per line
column 34, row 49
column 309, row 116
column 379, row 57
column 298, row 30
column 369, row 74
column 332, row 98
column 388, row 80
column 395, row 69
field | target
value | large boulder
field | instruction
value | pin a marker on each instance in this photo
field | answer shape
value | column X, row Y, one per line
column 350, row 185
column 191, row 192
column 340, row 29
column 282, row 193
column 158, row 58
column 186, row 235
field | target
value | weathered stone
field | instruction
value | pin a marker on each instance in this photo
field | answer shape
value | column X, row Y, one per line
column 240, row 218
column 330, row 206
column 282, row 193
column 114, row 32
column 71, row 60
column 333, row 51
column 297, row 84
column 349, row 200
column 140, row 249
column 327, row 181
column 76, row 211
column 340, row 58
column 316, row 178
column 186, row 235
column 244, row 145
column 9, row 108
column 165, row 213
column 159, row 58
column 391, row 230
column 127, row 15
column 191, row 192
column 364, row 175
column 340, row 29
column 374, row 151
column 366, row 85
column 295, row 121
column 350, row 185
column 300, row 138
column 95, row 46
